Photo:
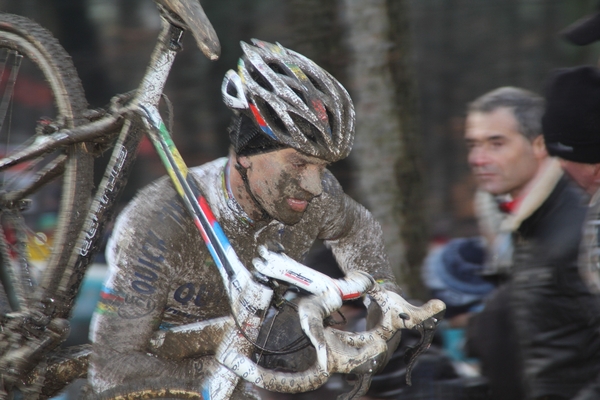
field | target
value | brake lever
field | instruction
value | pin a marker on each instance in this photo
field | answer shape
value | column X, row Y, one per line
column 359, row 389
column 427, row 331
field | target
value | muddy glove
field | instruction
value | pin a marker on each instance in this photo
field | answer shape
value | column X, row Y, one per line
column 374, row 315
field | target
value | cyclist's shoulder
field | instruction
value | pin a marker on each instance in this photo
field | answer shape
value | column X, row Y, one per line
column 332, row 190
column 161, row 191
column 157, row 207
column 209, row 169
column 333, row 199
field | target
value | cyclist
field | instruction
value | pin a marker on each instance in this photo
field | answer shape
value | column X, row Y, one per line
column 291, row 119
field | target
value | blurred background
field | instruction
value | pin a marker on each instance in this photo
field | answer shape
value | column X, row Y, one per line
column 410, row 65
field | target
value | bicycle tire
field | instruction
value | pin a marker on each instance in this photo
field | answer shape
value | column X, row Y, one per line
column 163, row 388
column 37, row 46
column 152, row 389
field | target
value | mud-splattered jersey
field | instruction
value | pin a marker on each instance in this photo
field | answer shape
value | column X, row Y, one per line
column 161, row 274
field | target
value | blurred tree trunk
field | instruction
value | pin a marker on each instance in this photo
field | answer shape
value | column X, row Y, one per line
column 365, row 45
column 387, row 145
column 317, row 33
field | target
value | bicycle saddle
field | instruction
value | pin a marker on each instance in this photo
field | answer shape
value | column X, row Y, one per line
column 191, row 16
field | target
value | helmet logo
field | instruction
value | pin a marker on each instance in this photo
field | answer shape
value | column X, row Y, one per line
column 261, row 122
column 320, row 110
column 296, row 71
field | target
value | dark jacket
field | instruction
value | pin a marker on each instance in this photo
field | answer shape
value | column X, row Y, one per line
column 556, row 318
column 492, row 339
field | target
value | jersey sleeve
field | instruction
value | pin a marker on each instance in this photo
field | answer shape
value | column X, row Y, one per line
column 134, row 296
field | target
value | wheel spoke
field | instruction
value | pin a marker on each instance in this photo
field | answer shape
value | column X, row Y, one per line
column 7, row 295
column 47, row 174
column 14, row 66
column 21, row 264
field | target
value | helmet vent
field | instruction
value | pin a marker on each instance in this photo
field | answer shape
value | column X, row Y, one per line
column 260, row 80
column 277, row 68
column 308, row 129
column 332, row 121
column 315, row 83
column 269, row 114
column 300, row 94
column 232, row 90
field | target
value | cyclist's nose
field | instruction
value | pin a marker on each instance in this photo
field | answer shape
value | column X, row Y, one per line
column 311, row 180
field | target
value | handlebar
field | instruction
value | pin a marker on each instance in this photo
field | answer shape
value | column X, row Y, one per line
column 337, row 351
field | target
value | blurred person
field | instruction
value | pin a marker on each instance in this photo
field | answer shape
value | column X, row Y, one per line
column 585, row 30
column 537, row 332
column 453, row 273
column 571, row 123
column 572, row 133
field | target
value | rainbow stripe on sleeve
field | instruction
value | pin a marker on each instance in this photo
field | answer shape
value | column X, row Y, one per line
column 109, row 301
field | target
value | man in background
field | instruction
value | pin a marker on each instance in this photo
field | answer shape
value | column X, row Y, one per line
column 572, row 133
column 534, row 336
column 572, row 123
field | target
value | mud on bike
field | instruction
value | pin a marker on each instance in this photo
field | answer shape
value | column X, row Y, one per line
column 55, row 154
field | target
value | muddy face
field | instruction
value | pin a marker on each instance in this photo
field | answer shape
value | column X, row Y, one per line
column 284, row 182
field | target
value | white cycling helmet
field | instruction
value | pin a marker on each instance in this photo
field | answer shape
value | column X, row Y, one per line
column 293, row 102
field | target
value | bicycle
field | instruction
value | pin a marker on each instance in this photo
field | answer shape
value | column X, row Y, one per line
column 34, row 310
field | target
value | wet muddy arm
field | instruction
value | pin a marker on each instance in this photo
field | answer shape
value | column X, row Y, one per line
column 355, row 237
column 132, row 303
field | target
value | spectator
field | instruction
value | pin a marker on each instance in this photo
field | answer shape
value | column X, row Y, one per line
column 572, row 133
column 452, row 272
column 571, row 124
column 585, row 30
column 540, row 321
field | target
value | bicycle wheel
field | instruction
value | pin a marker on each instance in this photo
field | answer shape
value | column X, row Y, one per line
column 165, row 388
column 42, row 201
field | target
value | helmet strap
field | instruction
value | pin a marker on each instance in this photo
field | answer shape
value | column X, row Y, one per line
column 244, row 174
